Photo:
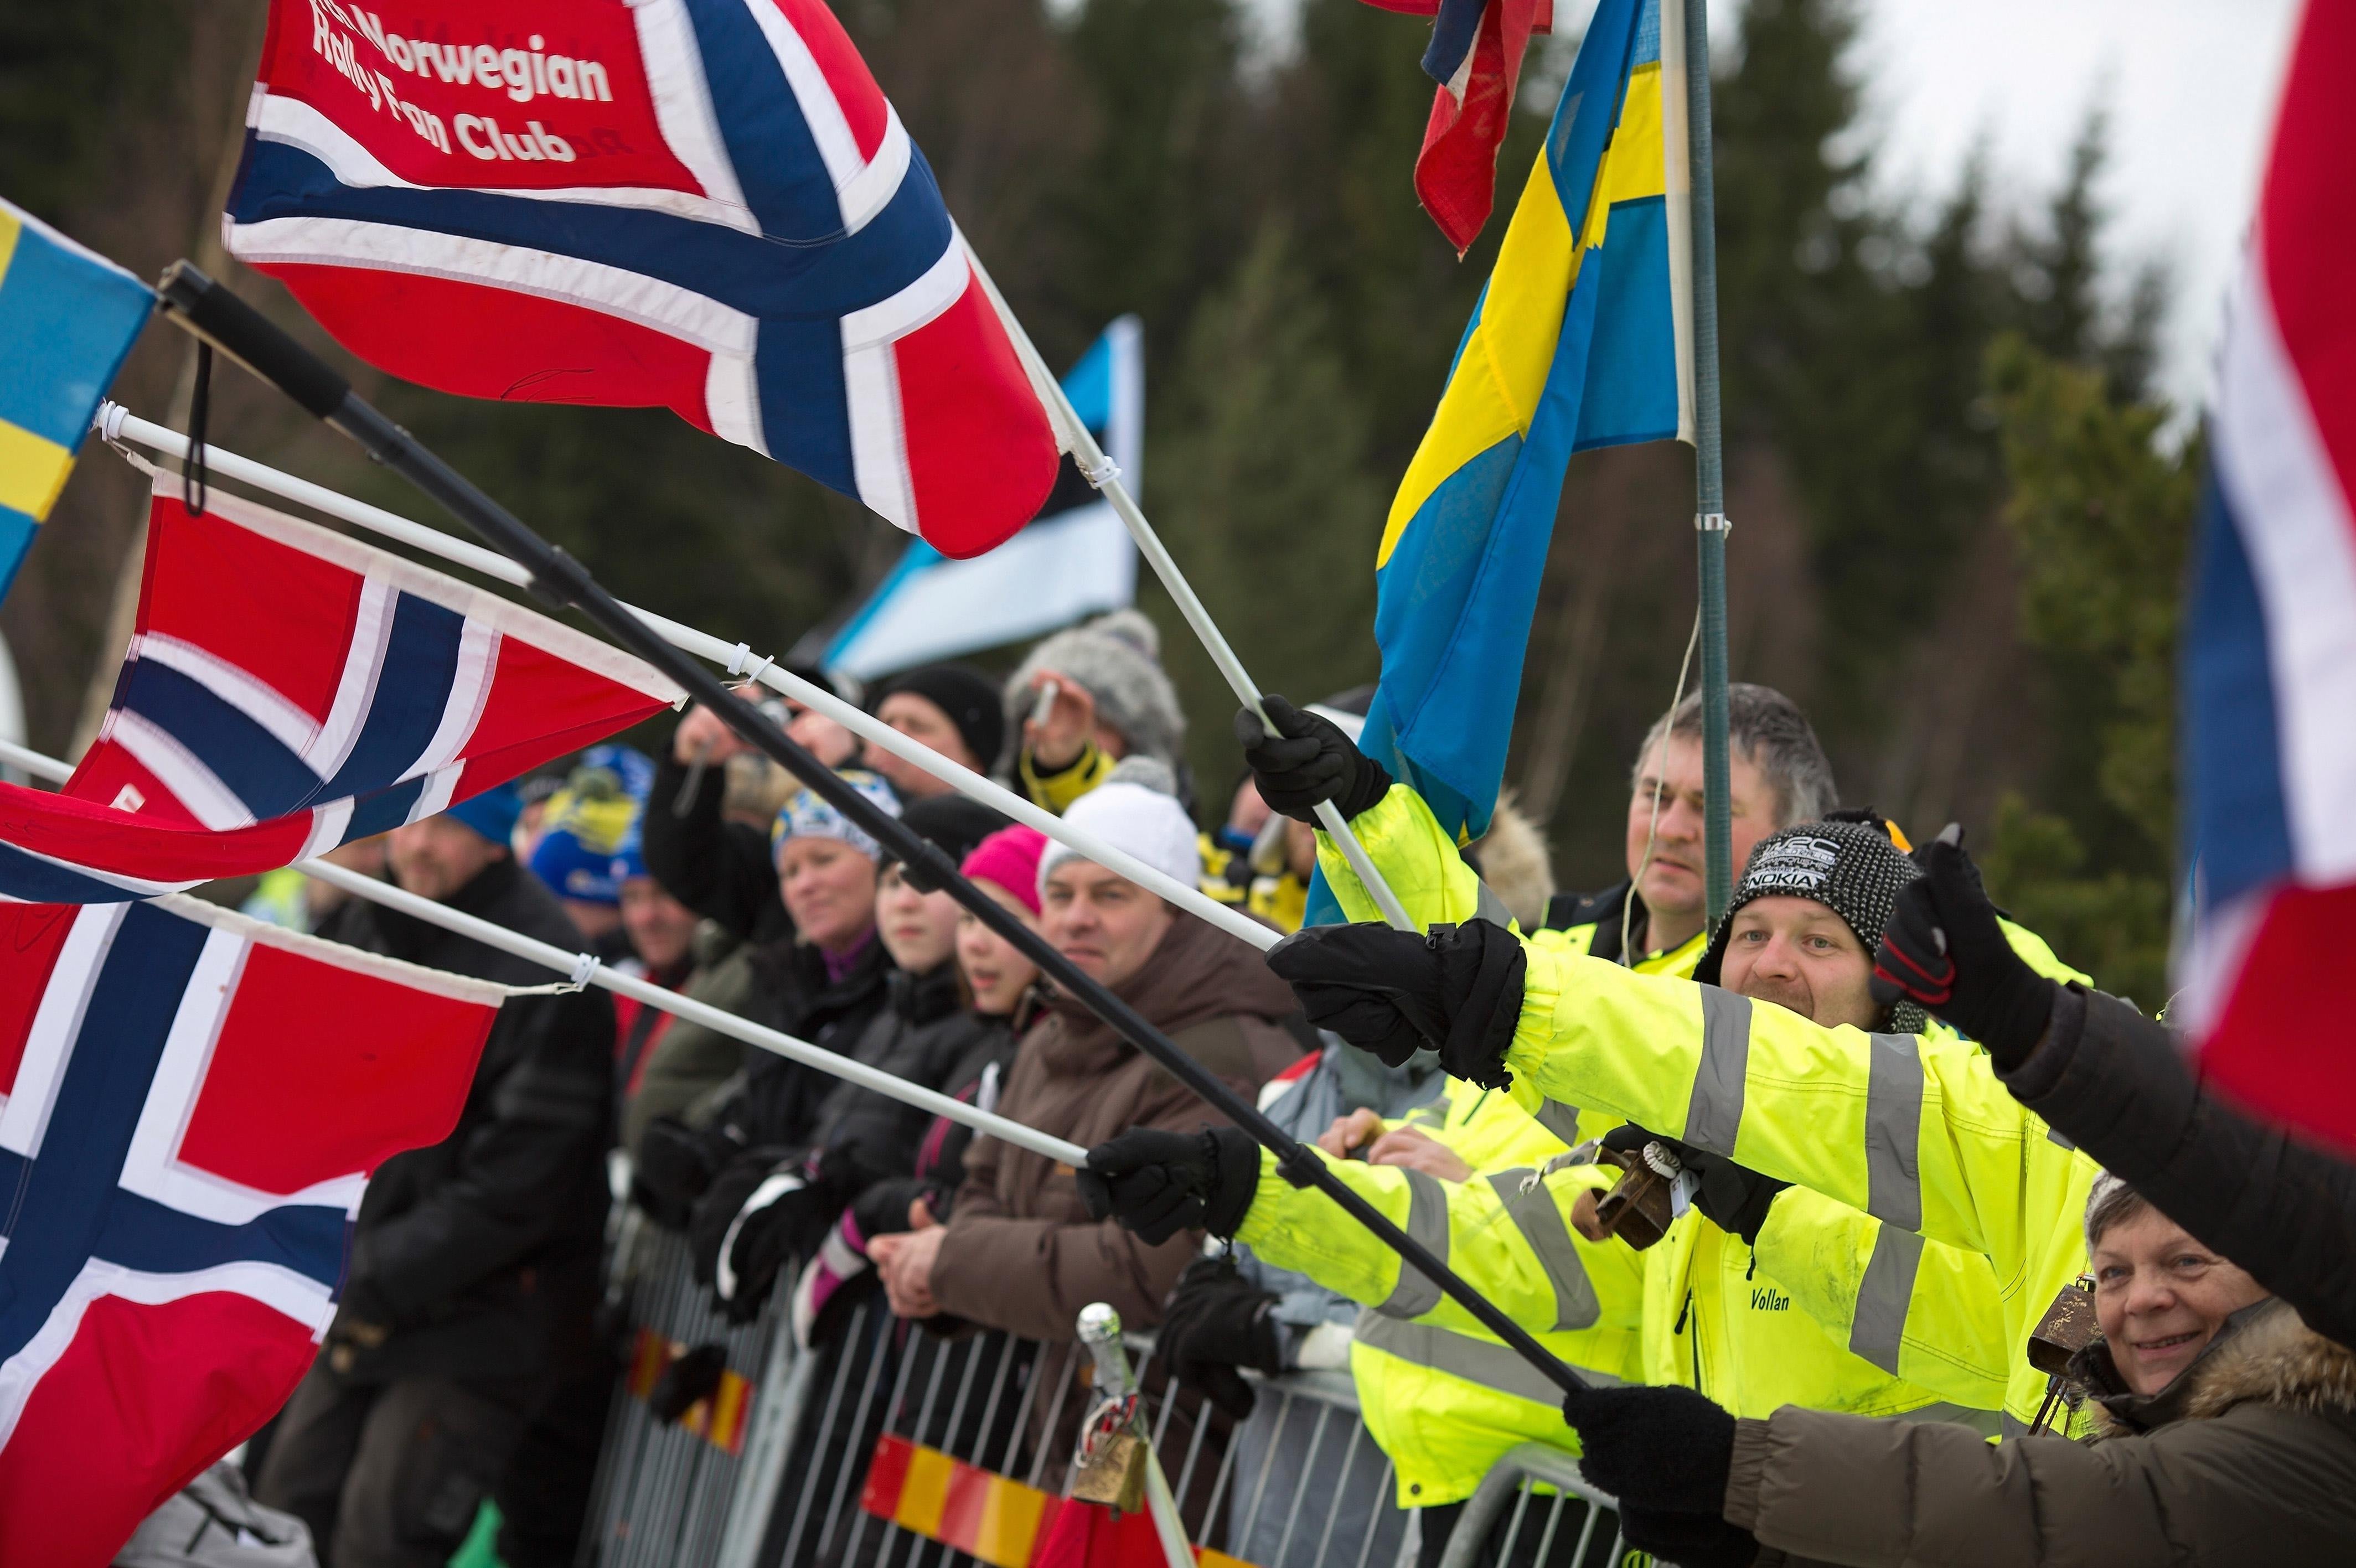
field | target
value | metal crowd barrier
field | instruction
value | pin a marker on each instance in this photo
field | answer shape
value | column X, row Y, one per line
column 1543, row 1489
column 888, row 1446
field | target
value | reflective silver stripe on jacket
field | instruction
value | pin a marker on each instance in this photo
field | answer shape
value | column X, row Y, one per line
column 1540, row 1222
column 1987, row 1423
column 1490, row 1366
column 1882, row 1298
column 1893, row 1125
column 1427, row 1221
column 1715, row 1113
column 1557, row 1118
column 1488, row 906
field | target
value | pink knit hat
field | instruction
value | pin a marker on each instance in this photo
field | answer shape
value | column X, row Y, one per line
column 1009, row 857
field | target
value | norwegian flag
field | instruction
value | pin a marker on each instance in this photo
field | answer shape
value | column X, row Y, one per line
column 288, row 689
column 191, row 1104
column 706, row 205
column 2270, row 647
column 1476, row 58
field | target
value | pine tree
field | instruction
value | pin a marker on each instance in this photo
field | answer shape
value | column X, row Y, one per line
column 2102, row 516
column 1263, row 493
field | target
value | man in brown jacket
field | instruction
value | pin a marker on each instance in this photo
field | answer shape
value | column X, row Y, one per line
column 1019, row 1250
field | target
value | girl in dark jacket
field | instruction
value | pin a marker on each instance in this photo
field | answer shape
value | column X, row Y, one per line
column 869, row 1154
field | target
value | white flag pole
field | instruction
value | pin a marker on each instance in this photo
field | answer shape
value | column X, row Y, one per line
column 116, row 423
column 1105, row 474
column 585, row 969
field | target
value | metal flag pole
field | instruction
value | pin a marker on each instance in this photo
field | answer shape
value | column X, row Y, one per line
column 1709, row 477
column 197, row 304
column 1105, row 474
column 115, row 424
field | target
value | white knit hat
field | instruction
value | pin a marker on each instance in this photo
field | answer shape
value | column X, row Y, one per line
column 1134, row 810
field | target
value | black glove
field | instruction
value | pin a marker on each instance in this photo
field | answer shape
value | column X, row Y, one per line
column 1458, row 989
column 1689, row 1540
column 1160, row 1183
column 1216, row 1321
column 1659, row 1450
column 1732, row 1197
column 675, row 1166
column 693, row 1376
column 882, row 1209
column 788, row 1224
column 1308, row 760
column 1944, row 949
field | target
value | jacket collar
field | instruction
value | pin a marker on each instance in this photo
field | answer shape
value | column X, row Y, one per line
column 922, row 999
column 2265, row 1353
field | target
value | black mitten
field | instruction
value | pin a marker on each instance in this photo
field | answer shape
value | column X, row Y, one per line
column 1944, row 949
column 1666, row 1449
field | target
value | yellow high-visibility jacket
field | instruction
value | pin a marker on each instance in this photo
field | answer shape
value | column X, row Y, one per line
column 1914, row 1129
column 1713, row 1319
column 1439, row 1394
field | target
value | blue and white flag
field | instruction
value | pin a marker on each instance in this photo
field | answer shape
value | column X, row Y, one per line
column 1074, row 561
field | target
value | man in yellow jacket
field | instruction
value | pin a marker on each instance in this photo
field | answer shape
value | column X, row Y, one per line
column 1916, row 1130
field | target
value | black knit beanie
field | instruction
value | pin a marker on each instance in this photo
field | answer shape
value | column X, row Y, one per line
column 1850, row 868
column 969, row 698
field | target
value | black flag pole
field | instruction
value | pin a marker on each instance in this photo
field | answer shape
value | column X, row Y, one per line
column 218, row 317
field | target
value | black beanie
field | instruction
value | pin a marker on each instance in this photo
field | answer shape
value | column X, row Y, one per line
column 951, row 821
column 969, row 698
column 1850, row 868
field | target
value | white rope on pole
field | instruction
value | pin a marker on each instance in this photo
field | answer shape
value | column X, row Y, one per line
column 583, row 968
column 737, row 658
column 1105, row 474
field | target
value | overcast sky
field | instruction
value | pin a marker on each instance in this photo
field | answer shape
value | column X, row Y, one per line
column 2190, row 87
column 2190, row 84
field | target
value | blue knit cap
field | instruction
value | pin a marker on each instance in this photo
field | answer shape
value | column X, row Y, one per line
column 492, row 814
column 575, row 870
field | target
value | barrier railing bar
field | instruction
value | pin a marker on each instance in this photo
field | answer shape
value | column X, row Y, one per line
column 1384, row 1488
column 1008, row 1351
column 1308, row 1471
column 1193, row 1451
column 1066, row 1372
column 1334, row 1508
column 825, row 1431
column 1219, row 1481
column 1513, row 1527
column 1268, row 1459
column 1554, row 1523
column 859, row 1434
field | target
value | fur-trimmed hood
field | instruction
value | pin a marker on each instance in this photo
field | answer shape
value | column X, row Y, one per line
column 2264, row 1354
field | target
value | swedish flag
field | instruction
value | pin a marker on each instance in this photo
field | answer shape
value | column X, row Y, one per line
column 1579, row 340
column 66, row 318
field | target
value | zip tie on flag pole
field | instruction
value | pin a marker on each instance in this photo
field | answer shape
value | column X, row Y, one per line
column 738, row 658
column 1074, row 434
column 584, row 969
column 747, row 664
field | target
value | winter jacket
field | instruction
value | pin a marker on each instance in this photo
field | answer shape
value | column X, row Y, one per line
column 1313, row 1320
column 922, row 1034
column 718, row 868
column 688, row 1060
column 485, row 1247
column 792, row 993
column 1021, row 1254
column 937, row 1149
column 2249, row 1455
column 2116, row 1083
